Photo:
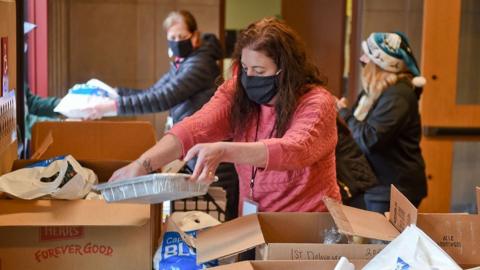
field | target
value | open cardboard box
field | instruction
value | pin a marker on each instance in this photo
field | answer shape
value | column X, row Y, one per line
column 80, row 234
column 100, row 140
column 278, row 236
column 287, row 265
column 457, row 234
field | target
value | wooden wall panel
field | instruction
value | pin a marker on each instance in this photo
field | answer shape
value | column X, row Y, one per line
column 321, row 25
column 121, row 42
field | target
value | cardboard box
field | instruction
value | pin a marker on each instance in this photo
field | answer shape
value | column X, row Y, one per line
column 101, row 140
column 278, row 236
column 457, row 234
column 81, row 234
column 286, row 265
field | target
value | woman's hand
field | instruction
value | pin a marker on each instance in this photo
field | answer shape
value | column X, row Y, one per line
column 99, row 110
column 342, row 103
column 133, row 169
column 209, row 156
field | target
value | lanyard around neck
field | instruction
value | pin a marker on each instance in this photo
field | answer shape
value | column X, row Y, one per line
column 254, row 169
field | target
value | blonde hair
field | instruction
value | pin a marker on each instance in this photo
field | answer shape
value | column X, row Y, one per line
column 375, row 80
column 175, row 17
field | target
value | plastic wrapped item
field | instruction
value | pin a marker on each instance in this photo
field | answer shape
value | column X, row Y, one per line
column 344, row 264
column 412, row 250
column 82, row 97
column 332, row 236
column 152, row 188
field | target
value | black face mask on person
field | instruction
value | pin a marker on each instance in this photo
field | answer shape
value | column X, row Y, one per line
column 260, row 89
column 181, row 48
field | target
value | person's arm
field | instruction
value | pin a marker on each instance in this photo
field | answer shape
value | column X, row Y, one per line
column 163, row 152
column 41, row 106
column 210, row 155
column 381, row 125
column 195, row 75
column 210, row 123
column 125, row 91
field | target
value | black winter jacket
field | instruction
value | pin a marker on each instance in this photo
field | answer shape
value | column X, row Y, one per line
column 390, row 139
column 182, row 91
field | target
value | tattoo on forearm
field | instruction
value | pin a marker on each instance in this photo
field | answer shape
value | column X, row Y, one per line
column 147, row 166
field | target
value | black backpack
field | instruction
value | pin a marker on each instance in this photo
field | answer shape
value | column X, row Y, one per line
column 354, row 174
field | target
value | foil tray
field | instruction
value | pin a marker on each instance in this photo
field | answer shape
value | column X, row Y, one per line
column 152, row 188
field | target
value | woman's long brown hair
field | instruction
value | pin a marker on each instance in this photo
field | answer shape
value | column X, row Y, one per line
column 278, row 41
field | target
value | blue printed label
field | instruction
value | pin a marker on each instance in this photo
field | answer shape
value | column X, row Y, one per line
column 402, row 265
column 88, row 90
column 177, row 255
column 45, row 163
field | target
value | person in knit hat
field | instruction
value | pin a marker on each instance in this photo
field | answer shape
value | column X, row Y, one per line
column 385, row 120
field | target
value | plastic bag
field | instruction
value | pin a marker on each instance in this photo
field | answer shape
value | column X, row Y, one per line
column 344, row 264
column 60, row 178
column 412, row 250
column 175, row 251
column 81, row 97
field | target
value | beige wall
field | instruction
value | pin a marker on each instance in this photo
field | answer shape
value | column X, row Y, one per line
column 121, row 42
column 240, row 13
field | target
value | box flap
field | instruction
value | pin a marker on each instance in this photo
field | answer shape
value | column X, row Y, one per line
column 229, row 238
column 457, row 234
column 183, row 222
column 353, row 221
column 288, row 265
column 245, row 265
column 118, row 140
column 71, row 213
column 43, row 147
column 402, row 211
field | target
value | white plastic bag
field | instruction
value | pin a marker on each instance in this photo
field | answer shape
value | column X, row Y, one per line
column 344, row 264
column 59, row 178
column 412, row 250
column 81, row 97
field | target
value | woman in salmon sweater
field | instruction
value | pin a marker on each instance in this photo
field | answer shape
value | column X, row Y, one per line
column 281, row 120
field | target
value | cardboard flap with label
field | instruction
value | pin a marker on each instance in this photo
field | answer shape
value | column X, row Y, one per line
column 229, row 238
column 354, row 221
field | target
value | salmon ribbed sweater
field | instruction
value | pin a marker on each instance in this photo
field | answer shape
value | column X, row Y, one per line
column 300, row 167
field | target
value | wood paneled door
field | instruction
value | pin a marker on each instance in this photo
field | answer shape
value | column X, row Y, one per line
column 450, row 105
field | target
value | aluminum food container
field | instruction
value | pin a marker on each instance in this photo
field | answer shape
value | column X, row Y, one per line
column 152, row 188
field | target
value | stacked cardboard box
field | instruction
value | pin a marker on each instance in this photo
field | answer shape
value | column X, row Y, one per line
column 82, row 234
column 299, row 236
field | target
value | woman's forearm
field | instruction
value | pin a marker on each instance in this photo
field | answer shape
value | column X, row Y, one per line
column 251, row 153
column 163, row 152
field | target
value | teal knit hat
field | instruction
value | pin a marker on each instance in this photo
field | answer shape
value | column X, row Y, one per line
column 391, row 52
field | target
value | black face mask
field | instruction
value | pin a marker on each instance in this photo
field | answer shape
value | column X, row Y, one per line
column 260, row 89
column 181, row 48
